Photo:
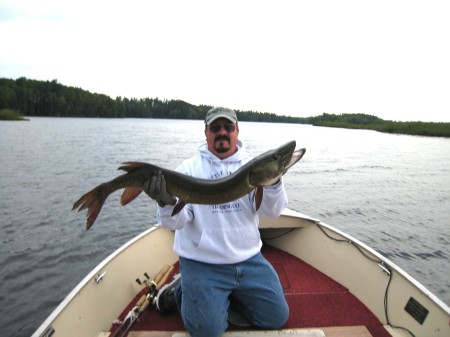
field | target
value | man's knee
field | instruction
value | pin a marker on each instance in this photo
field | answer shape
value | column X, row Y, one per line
column 200, row 321
column 281, row 318
column 206, row 329
column 276, row 320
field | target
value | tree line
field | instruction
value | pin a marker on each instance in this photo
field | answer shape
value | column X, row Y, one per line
column 369, row 122
column 50, row 98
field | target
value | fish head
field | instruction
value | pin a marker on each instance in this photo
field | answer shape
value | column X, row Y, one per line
column 271, row 165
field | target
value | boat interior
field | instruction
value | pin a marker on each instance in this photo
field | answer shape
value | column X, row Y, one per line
column 335, row 287
column 319, row 306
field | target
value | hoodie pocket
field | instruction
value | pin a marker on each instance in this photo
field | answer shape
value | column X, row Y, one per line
column 231, row 240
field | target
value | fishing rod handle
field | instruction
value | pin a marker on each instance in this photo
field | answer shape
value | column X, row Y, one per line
column 161, row 274
column 151, row 295
column 144, row 305
column 141, row 300
column 164, row 278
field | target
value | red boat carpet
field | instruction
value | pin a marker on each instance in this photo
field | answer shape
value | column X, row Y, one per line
column 314, row 299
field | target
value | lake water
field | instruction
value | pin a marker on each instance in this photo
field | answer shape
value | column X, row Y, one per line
column 391, row 192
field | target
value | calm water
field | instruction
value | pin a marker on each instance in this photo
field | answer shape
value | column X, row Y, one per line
column 391, row 192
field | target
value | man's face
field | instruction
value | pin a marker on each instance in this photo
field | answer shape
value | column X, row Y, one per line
column 222, row 137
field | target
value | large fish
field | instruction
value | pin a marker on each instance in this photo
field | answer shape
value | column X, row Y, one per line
column 264, row 170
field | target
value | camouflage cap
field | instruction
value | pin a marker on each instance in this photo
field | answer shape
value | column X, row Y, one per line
column 219, row 112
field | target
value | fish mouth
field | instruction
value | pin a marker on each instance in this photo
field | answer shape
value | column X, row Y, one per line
column 288, row 157
column 296, row 156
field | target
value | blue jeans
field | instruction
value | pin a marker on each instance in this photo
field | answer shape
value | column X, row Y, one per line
column 205, row 289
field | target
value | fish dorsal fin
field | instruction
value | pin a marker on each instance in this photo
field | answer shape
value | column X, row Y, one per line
column 259, row 196
column 129, row 194
column 130, row 166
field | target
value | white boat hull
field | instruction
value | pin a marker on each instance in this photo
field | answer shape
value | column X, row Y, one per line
column 101, row 296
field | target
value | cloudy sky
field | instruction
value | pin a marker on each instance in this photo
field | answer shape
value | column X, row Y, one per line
column 298, row 58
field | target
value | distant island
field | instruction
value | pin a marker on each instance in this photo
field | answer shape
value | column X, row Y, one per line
column 363, row 121
column 26, row 97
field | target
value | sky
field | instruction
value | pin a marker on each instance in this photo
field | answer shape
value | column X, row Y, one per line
column 297, row 58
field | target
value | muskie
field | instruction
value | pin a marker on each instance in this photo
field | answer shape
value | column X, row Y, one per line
column 263, row 170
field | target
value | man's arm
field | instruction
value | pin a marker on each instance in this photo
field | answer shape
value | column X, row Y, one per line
column 274, row 200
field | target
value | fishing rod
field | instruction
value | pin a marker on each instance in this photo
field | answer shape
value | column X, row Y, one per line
column 145, row 300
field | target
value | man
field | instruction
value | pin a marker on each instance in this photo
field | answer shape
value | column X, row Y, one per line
column 219, row 245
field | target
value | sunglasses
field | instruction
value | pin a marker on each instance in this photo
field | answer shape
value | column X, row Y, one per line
column 214, row 128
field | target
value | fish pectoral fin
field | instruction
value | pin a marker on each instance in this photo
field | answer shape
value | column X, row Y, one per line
column 178, row 207
column 259, row 196
column 129, row 194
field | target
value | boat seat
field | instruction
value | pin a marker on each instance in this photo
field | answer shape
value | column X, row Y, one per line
column 343, row 331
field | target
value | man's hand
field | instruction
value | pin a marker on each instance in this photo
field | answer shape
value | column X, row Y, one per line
column 155, row 187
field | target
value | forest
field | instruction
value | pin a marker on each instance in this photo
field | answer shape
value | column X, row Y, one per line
column 50, row 98
column 27, row 97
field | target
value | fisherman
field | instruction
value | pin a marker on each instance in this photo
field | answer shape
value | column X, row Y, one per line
column 219, row 245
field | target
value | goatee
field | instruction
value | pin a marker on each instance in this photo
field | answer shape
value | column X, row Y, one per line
column 222, row 144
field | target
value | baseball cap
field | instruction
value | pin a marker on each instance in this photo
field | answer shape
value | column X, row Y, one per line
column 220, row 112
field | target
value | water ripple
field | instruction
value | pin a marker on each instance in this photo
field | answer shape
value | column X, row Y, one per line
column 391, row 192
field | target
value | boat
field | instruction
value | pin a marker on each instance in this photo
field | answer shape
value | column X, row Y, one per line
column 335, row 286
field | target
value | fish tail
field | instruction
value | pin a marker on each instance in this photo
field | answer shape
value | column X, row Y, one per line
column 93, row 201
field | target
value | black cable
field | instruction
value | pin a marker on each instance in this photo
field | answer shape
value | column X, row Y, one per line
column 386, row 307
column 384, row 267
column 280, row 235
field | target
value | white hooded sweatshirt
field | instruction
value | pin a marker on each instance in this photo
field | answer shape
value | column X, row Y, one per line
column 226, row 233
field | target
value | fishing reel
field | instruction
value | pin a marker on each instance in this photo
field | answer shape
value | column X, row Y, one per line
column 151, row 285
